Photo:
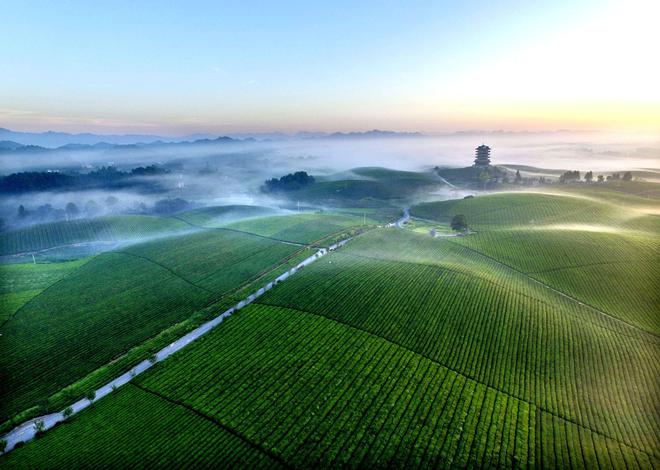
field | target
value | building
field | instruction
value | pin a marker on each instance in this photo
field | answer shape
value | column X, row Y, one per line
column 482, row 159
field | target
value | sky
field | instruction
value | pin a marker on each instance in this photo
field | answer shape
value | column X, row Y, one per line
column 180, row 67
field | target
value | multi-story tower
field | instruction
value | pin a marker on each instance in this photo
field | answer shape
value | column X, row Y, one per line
column 482, row 159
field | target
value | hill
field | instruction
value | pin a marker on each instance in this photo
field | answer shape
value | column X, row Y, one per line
column 532, row 342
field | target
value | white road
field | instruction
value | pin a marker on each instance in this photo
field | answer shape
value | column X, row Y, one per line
column 27, row 430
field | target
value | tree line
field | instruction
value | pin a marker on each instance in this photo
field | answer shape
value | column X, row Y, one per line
column 105, row 177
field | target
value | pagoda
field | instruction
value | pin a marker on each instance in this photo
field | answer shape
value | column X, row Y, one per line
column 482, row 159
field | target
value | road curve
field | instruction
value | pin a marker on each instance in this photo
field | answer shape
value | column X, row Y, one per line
column 27, row 430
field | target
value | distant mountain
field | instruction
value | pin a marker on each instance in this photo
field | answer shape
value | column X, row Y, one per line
column 66, row 141
column 9, row 145
column 372, row 134
column 52, row 139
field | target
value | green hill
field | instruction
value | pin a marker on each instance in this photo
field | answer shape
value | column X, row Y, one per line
column 531, row 343
column 114, row 228
column 217, row 216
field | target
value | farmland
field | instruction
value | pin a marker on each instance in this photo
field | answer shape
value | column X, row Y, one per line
column 221, row 215
column 532, row 342
column 45, row 236
column 21, row 282
column 371, row 187
column 121, row 298
column 302, row 228
column 598, row 251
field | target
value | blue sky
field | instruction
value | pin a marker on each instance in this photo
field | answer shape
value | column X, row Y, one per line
column 177, row 67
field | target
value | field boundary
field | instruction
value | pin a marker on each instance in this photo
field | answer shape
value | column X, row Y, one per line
column 461, row 373
column 563, row 294
column 216, row 422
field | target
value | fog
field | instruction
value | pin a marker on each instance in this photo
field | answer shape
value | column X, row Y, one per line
column 206, row 173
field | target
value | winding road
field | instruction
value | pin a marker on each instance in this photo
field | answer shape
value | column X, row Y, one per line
column 27, row 430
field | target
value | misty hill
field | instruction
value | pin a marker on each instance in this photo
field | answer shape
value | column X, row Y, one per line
column 365, row 187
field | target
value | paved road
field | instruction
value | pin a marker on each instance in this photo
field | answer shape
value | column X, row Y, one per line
column 404, row 218
column 27, row 430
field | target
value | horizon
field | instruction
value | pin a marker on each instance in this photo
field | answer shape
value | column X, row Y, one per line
column 415, row 67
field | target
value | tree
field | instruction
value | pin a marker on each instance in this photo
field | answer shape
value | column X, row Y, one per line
column 459, row 223
column 627, row 176
column 518, row 177
column 71, row 210
column 91, row 208
column 39, row 426
column 111, row 201
column 289, row 182
column 22, row 213
column 68, row 411
column 3, row 445
column 484, row 176
column 601, row 178
column 569, row 177
column 90, row 395
column 589, row 176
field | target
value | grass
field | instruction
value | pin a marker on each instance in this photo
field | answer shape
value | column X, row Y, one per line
column 314, row 391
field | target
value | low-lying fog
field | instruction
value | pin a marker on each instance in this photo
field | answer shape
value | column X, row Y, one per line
column 219, row 173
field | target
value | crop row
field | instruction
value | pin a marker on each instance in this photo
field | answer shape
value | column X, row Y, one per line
column 133, row 428
column 501, row 335
column 118, row 300
column 615, row 272
column 494, row 211
column 303, row 228
column 43, row 236
column 319, row 393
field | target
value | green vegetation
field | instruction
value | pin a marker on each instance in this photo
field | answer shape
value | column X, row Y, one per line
column 156, row 433
column 459, row 223
column 218, row 216
column 602, row 252
column 301, row 228
column 118, row 300
column 21, row 282
column 45, row 236
column 367, row 187
column 532, row 342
